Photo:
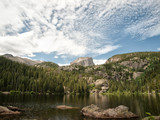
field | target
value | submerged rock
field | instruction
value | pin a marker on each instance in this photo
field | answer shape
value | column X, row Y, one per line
column 118, row 112
column 7, row 111
column 65, row 107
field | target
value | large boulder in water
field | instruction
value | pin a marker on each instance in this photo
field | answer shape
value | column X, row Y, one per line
column 7, row 111
column 118, row 112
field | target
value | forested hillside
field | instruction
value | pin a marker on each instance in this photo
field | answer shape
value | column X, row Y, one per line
column 126, row 73
column 20, row 77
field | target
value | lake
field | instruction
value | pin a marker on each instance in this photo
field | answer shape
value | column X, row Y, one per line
column 42, row 107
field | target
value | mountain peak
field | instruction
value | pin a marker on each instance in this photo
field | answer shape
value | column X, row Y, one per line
column 84, row 61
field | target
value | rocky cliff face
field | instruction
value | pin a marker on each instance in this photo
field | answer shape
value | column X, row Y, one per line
column 139, row 60
column 113, row 59
column 21, row 60
column 84, row 61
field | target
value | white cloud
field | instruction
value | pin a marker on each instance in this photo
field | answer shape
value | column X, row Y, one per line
column 19, row 45
column 63, row 64
column 158, row 49
column 56, row 57
column 99, row 61
column 73, row 27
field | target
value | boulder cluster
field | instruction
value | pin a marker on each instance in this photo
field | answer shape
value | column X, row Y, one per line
column 118, row 112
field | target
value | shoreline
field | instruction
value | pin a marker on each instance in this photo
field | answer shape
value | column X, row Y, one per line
column 105, row 94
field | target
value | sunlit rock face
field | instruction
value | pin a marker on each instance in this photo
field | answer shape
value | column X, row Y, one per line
column 84, row 61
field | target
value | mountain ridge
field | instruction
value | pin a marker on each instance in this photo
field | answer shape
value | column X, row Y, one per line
column 22, row 60
column 84, row 61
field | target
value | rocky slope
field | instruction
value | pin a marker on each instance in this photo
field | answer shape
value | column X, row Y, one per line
column 21, row 60
column 125, row 72
column 83, row 61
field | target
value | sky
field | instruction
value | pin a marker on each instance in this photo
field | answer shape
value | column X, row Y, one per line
column 60, row 31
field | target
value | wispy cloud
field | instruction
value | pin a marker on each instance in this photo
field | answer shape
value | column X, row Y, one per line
column 73, row 27
column 105, row 49
column 158, row 49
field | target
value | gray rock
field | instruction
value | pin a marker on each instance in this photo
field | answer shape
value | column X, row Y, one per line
column 136, row 74
column 101, row 82
column 84, row 61
column 104, row 89
column 101, row 86
column 113, row 59
column 118, row 112
column 134, row 64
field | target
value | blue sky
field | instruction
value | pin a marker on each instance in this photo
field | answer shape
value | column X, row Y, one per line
column 61, row 31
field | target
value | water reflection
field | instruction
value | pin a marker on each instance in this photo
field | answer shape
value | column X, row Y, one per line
column 42, row 107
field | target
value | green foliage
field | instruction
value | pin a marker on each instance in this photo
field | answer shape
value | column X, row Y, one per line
column 17, row 77
column 91, row 87
column 15, row 92
column 149, row 56
column 48, row 65
column 150, row 117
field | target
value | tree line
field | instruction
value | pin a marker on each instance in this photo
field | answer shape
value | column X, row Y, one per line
column 20, row 77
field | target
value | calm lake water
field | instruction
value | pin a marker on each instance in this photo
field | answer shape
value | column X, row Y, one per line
column 42, row 107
